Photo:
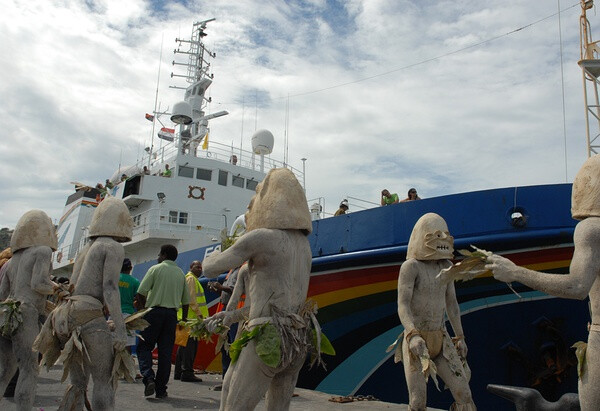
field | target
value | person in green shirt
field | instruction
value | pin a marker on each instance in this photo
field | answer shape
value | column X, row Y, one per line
column 167, row 172
column 387, row 198
column 128, row 287
column 163, row 288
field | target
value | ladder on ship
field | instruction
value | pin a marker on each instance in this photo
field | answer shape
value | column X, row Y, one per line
column 590, row 66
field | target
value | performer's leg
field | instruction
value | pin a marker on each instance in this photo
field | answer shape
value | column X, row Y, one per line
column 415, row 381
column 22, row 342
column 95, row 334
column 250, row 379
column 282, row 386
column 458, row 384
column 589, row 395
column 8, row 363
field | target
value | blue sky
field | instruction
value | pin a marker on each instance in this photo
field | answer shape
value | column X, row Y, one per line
column 444, row 96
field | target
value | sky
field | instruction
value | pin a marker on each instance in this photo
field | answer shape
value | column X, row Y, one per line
column 446, row 96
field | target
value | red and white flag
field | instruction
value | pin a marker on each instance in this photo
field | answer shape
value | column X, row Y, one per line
column 167, row 134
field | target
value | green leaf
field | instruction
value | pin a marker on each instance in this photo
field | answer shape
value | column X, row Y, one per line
column 268, row 345
column 236, row 347
column 326, row 346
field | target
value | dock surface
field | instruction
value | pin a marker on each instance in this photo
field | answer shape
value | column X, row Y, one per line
column 184, row 396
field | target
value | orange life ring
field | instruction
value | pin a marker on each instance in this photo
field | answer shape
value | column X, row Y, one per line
column 195, row 196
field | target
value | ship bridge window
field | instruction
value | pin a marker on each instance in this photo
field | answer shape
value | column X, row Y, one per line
column 186, row 172
column 237, row 181
column 222, row 177
column 178, row 217
column 251, row 184
column 183, row 218
column 203, row 174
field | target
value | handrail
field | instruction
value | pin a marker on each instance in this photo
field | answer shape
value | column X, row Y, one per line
column 160, row 219
column 167, row 154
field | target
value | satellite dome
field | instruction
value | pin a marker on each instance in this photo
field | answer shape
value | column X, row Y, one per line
column 182, row 113
column 262, row 142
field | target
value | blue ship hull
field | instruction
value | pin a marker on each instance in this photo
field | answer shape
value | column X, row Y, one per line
column 512, row 340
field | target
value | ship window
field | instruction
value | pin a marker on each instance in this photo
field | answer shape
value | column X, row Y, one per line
column 183, row 218
column 186, row 171
column 251, row 184
column 222, row 177
column 178, row 217
column 237, row 181
column 132, row 186
column 203, row 174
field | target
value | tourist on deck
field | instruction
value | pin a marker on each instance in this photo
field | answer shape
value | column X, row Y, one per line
column 128, row 288
column 167, row 172
column 343, row 208
column 411, row 196
column 163, row 288
column 233, row 160
column 145, row 171
column 124, row 177
column 184, row 362
column 108, row 184
column 387, row 198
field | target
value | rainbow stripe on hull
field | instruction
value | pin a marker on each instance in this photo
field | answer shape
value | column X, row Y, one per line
column 356, row 260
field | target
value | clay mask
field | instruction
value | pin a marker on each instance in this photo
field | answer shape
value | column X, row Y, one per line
column 430, row 239
column 112, row 219
column 279, row 203
column 34, row 228
column 585, row 199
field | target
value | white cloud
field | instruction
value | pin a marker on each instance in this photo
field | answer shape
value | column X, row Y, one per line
column 76, row 78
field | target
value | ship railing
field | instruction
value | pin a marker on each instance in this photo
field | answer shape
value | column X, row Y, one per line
column 67, row 254
column 317, row 206
column 355, row 202
column 163, row 220
column 166, row 154
column 63, row 254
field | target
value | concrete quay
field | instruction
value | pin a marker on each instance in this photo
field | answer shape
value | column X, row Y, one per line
column 184, row 396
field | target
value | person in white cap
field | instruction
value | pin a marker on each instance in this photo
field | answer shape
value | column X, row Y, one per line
column 343, row 208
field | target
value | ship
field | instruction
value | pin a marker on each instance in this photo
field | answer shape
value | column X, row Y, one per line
column 516, row 335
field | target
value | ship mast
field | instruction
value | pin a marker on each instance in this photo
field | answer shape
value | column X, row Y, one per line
column 590, row 66
column 189, row 114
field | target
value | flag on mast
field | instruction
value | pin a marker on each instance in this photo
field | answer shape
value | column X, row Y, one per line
column 205, row 144
column 149, row 117
column 167, row 134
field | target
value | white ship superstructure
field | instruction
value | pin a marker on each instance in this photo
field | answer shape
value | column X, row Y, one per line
column 208, row 187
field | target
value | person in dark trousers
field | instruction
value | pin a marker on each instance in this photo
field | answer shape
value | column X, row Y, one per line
column 184, row 362
column 163, row 288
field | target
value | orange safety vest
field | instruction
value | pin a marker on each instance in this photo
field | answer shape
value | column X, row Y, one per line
column 241, row 302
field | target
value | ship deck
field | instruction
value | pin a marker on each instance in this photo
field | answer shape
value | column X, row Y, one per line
column 184, row 395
